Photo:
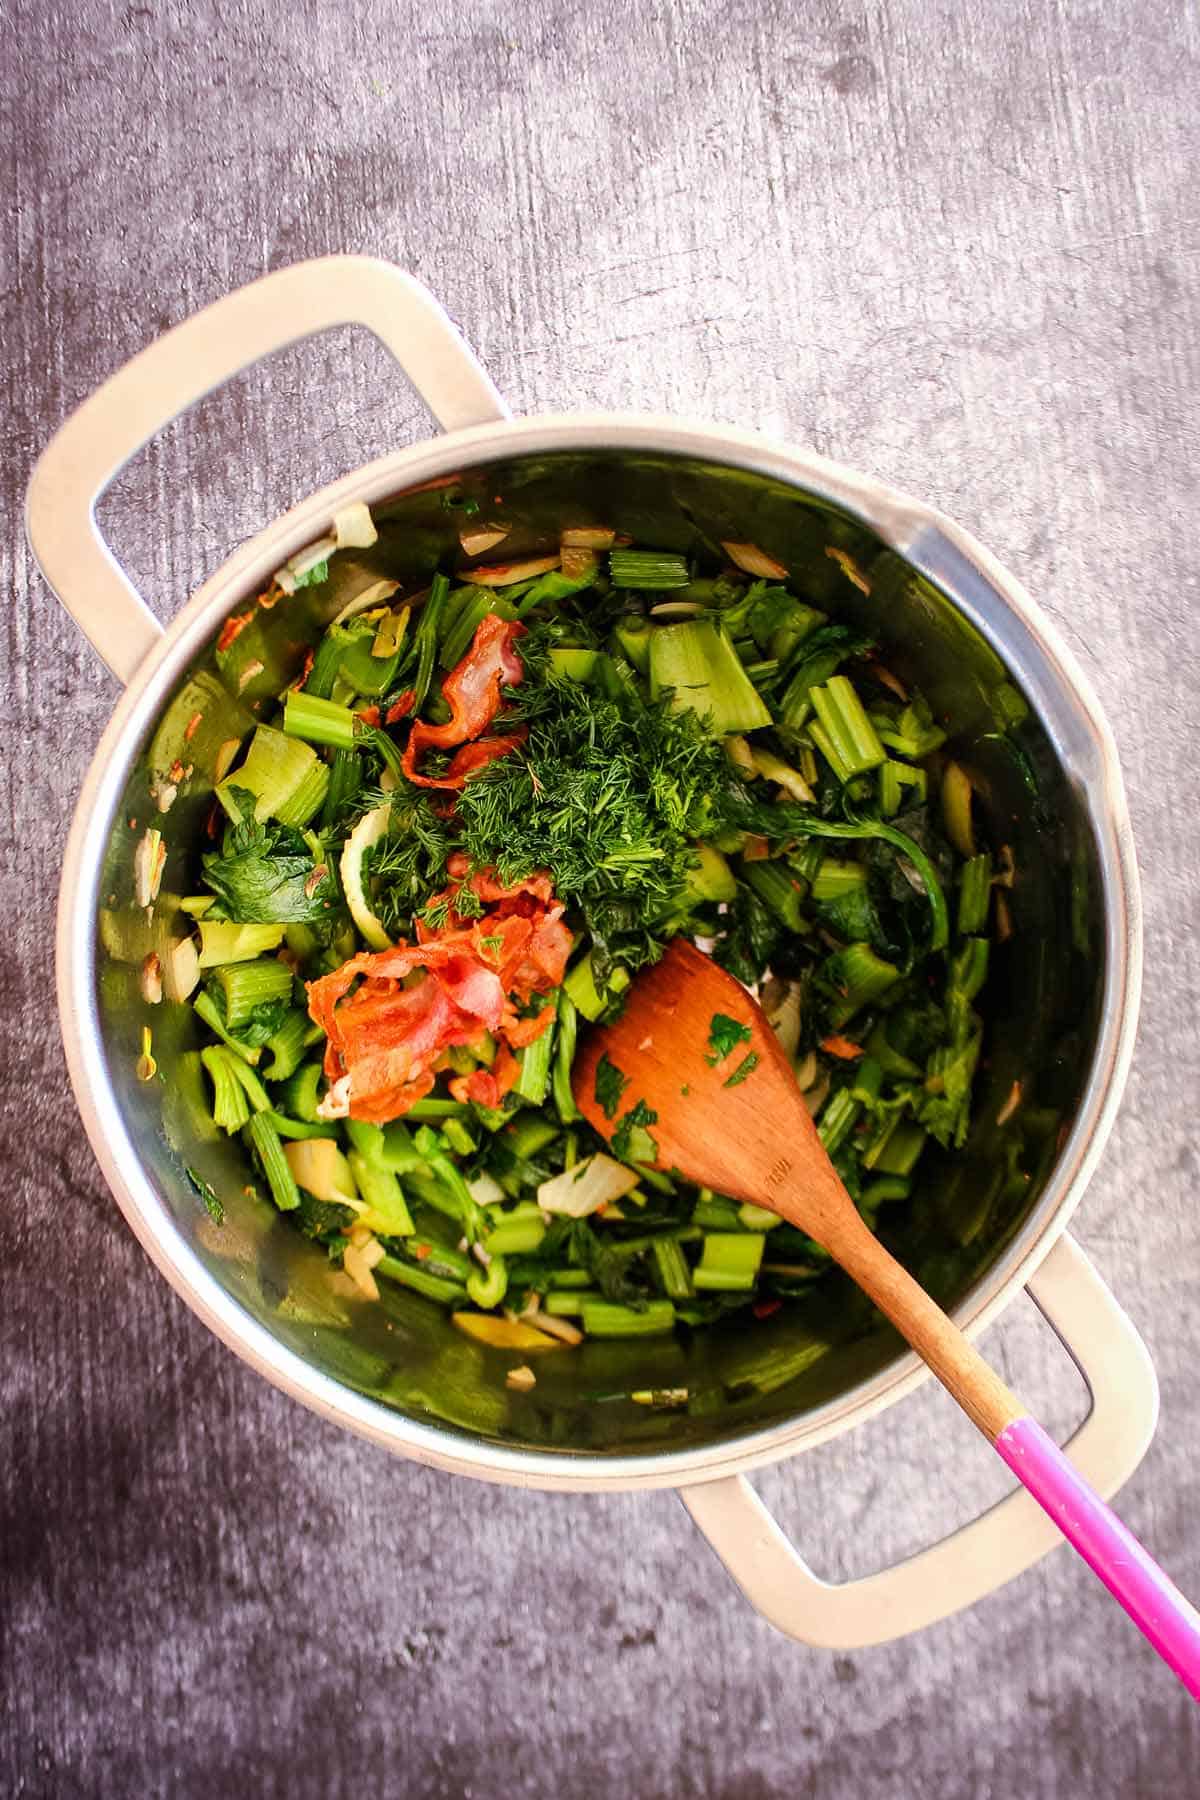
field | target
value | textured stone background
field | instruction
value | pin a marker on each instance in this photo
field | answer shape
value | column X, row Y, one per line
column 951, row 241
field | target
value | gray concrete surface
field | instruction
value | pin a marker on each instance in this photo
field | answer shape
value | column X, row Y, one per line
column 955, row 244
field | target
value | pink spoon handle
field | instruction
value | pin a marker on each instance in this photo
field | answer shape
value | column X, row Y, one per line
column 1130, row 1574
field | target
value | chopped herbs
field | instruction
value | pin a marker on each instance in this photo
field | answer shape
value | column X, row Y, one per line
column 746, row 1067
column 610, row 1085
column 631, row 1141
column 548, row 770
column 725, row 1034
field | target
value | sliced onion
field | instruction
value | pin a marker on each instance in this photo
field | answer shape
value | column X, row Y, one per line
column 522, row 1378
column 359, row 1270
column 180, row 968
column 376, row 593
column 306, row 560
column 485, row 1190
column 477, row 539
column 577, row 562
column 496, row 575
column 754, row 561
column 353, row 527
column 781, row 1001
column 150, row 979
column 677, row 609
column 591, row 1184
column 848, row 566
column 370, row 829
column 956, row 808
column 556, row 1327
column 149, row 860
column 225, row 758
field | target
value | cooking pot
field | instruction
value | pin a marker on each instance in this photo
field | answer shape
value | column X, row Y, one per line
column 1063, row 996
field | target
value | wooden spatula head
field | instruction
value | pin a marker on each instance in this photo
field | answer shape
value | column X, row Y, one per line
column 728, row 1118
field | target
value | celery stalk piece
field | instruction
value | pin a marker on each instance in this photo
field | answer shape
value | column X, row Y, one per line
column 603, row 1318
column 265, row 1140
column 318, row 721
column 247, row 985
column 649, row 570
column 275, row 771
column 729, row 1262
column 696, row 663
column 844, row 721
column 205, row 1008
column 223, row 942
column 387, row 1212
column 412, row 1275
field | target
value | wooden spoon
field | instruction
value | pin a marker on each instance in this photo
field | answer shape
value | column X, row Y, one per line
column 753, row 1140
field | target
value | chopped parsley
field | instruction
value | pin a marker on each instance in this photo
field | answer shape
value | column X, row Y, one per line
column 746, row 1067
column 610, row 1085
column 631, row 1141
column 725, row 1034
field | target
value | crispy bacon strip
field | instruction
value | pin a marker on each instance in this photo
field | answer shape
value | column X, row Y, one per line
column 472, row 692
column 386, row 1040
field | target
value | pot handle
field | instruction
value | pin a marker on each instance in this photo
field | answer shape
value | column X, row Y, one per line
column 980, row 1557
column 183, row 366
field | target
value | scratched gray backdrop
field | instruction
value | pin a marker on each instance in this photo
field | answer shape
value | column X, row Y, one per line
column 951, row 241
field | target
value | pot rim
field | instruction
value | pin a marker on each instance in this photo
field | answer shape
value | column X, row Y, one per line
column 916, row 531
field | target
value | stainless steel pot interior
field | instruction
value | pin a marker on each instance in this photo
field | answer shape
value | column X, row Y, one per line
column 1044, row 997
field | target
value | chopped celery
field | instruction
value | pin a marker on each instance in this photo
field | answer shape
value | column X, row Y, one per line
column 275, row 771
column 387, row 1211
column 247, row 985
column 205, row 1008
column 287, row 1046
column 633, row 635
column 318, row 721
column 844, row 721
column 412, row 1275
column 603, row 1318
column 581, row 989
column 535, row 1059
column 779, row 890
column 729, row 1261
column 570, row 664
column 223, row 942
column 487, row 1287
column 696, row 663
column 673, row 1271
column 299, row 1093
column 265, row 1140
column 647, row 569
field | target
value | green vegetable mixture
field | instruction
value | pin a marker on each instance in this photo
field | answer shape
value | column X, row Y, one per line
column 687, row 749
